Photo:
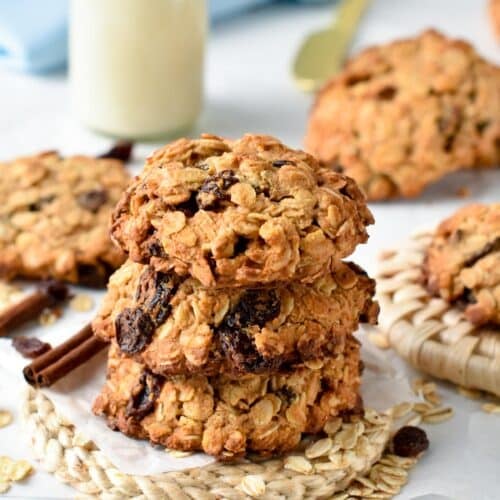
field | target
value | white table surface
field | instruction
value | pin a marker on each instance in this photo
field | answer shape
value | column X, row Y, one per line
column 248, row 88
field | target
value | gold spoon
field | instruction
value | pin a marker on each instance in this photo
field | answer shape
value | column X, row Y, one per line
column 322, row 53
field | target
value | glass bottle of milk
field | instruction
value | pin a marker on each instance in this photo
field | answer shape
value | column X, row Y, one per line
column 136, row 66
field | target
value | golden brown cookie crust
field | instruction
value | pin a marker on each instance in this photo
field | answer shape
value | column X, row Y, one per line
column 402, row 115
column 240, row 213
column 175, row 326
column 463, row 261
column 229, row 417
column 54, row 218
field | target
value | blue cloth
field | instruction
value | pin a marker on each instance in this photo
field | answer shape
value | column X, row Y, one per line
column 222, row 9
column 34, row 33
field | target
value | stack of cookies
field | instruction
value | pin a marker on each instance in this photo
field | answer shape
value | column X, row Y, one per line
column 231, row 324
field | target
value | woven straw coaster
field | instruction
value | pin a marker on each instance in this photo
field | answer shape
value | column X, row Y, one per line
column 349, row 463
column 428, row 332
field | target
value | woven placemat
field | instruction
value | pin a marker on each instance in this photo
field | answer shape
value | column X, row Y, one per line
column 352, row 457
column 428, row 332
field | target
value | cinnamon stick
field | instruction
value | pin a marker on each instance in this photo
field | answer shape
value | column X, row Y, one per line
column 58, row 362
column 48, row 295
column 25, row 310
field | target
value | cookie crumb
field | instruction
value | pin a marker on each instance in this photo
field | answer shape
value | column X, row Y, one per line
column 81, row 303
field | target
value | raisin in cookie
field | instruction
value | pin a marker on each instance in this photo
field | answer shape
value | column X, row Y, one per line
column 463, row 261
column 403, row 115
column 229, row 417
column 239, row 213
column 54, row 218
column 175, row 326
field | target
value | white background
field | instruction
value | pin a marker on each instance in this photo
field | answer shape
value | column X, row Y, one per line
column 249, row 89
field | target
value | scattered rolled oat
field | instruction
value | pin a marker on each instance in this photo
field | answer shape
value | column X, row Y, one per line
column 388, row 478
column 9, row 294
column 340, row 496
column 415, row 420
column 437, row 415
column 253, row 485
column 299, row 464
column 422, row 407
column 470, row 393
column 5, row 418
column 386, row 254
column 81, row 303
column 433, row 398
column 410, row 441
column 333, row 425
column 491, row 408
column 402, row 409
column 428, row 388
column 49, row 317
column 347, row 437
column 12, row 471
column 319, row 448
column 417, row 385
column 178, row 453
column 379, row 340
column 4, row 487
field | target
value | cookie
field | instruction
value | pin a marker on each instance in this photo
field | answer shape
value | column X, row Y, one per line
column 239, row 213
column 463, row 262
column 175, row 326
column 229, row 417
column 495, row 16
column 54, row 218
column 403, row 115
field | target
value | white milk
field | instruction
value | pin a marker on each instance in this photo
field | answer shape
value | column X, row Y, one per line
column 136, row 66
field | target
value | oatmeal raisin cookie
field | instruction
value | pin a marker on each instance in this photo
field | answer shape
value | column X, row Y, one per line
column 174, row 325
column 239, row 213
column 229, row 417
column 402, row 115
column 54, row 218
column 463, row 261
